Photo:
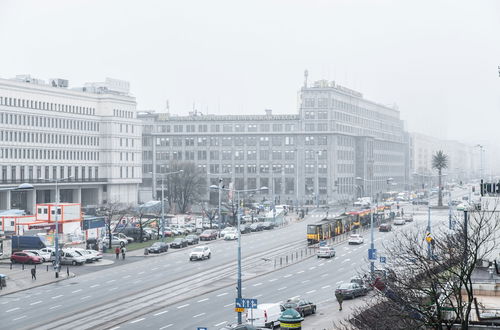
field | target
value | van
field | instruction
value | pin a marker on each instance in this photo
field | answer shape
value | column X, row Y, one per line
column 264, row 316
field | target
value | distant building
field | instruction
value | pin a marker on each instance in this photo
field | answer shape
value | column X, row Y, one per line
column 315, row 155
column 88, row 136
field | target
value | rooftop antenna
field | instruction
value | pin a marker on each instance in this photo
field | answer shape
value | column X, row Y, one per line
column 167, row 107
column 306, row 74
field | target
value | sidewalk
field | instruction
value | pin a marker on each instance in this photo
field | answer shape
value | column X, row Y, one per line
column 19, row 279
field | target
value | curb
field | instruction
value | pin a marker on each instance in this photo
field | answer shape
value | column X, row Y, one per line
column 39, row 285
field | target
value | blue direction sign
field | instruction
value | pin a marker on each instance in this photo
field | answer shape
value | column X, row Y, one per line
column 382, row 260
column 246, row 303
column 202, row 328
column 372, row 254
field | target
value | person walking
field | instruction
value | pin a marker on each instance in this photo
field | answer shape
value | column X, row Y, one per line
column 123, row 252
column 117, row 252
column 340, row 299
column 402, row 212
column 33, row 273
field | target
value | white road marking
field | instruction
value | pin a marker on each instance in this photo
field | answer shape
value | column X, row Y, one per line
column 257, row 296
column 58, row 296
column 283, row 288
column 140, row 273
column 218, row 324
column 159, row 313
column 118, row 327
column 222, row 294
column 84, row 297
column 305, row 281
column 339, row 282
column 311, row 268
column 273, row 279
column 228, row 305
column 202, row 300
column 353, row 264
column 138, row 320
column 113, row 288
column 4, row 302
column 288, row 275
column 77, row 291
column 127, row 276
column 18, row 318
column 257, row 284
column 11, row 310
column 167, row 326
column 300, row 272
column 36, row 302
column 312, row 291
column 321, row 264
column 346, row 260
column 53, row 307
column 94, row 286
column 111, row 281
column 198, row 315
column 136, row 281
column 330, row 260
column 326, row 286
column 182, row 306
column 154, row 268
column 343, row 255
column 324, row 275
column 341, row 269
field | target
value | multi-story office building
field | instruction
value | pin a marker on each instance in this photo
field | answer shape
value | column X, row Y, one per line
column 88, row 138
column 339, row 145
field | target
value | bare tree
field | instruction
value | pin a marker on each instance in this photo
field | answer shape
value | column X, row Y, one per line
column 210, row 213
column 430, row 284
column 113, row 212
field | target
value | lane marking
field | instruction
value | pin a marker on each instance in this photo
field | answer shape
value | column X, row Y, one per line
column 305, row 281
column 228, row 305
column 13, row 309
column 300, row 272
column 272, row 280
column 18, row 318
column 346, row 260
column 326, row 286
column 218, row 324
column 257, row 284
column 111, row 281
column 118, row 327
column 84, row 297
column 77, row 291
column 94, row 286
column 312, row 291
column 321, row 264
column 287, row 275
column 257, row 296
column 222, row 294
column 58, row 296
column 283, row 288
column 341, row 269
column 168, row 325
column 55, row 306
column 159, row 313
column 36, row 302
column 198, row 315
column 202, row 300
column 154, row 268
column 339, row 282
column 182, row 306
column 311, row 268
column 138, row 320
column 113, row 288
column 141, row 273
column 127, row 276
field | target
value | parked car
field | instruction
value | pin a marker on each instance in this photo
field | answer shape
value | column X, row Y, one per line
column 266, row 225
column 326, row 252
column 200, row 253
column 25, row 258
column 399, row 222
column 179, row 242
column 151, row 233
column 168, row 232
column 115, row 241
column 68, row 257
column 88, row 257
column 245, row 229
column 385, row 227
column 364, row 282
column 304, row 307
column 355, row 239
column 351, row 290
column 123, row 236
column 256, row 226
column 45, row 256
column 208, row 235
column 95, row 254
column 158, row 247
column 455, row 202
column 408, row 218
column 192, row 239
column 231, row 235
column 420, row 202
column 226, row 230
column 264, row 316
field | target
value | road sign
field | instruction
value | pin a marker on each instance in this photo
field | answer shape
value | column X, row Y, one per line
column 239, row 309
column 202, row 328
column 382, row 260
column 372, row 254
column 246, row 303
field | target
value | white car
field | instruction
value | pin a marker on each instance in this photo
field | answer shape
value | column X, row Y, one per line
column 231, row 235
column 399, row 222
column 96, row 255
column 355, row 239
column 44, row 255
column 200, row 253
column 114, row 241
column 227, row 230
column 326, row 252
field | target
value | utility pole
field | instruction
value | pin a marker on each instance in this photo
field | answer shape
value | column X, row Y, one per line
column 429, row 237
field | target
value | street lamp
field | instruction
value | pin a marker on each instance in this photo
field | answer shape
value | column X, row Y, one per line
column 239, row 235
column 56, row 214
column 163, row 175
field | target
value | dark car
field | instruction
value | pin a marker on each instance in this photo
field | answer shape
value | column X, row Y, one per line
column 245, row 229
column 25, row 258
column 351, row 290
column 208, row 235
column 158, row 247
column 257, row 226
column 420, row 202
column 179, row 242
column 267, row 225
column 385, row 227
column 192, row 239
column 304, row 307
column 408, row 218
column 362, row 281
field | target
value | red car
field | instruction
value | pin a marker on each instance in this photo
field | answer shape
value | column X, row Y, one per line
column 25, row 258
column 208, row 235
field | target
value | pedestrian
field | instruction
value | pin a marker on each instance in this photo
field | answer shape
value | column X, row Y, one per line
column 340, row 299
column 402, row 212
column 123, row 253
column 117, row 252
column 33, row 273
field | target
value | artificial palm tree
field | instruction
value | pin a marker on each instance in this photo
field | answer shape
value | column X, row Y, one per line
column 439, row 162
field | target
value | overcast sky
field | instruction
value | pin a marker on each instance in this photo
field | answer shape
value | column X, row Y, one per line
column 437, row 60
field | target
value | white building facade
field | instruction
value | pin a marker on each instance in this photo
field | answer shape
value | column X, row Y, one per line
column 87, row 138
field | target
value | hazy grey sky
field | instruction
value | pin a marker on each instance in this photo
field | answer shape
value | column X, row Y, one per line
column 436, row 59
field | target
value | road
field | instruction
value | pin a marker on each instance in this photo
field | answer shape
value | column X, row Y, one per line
column 170, row 291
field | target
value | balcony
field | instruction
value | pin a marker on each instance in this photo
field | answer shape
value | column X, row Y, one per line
column 48, row 182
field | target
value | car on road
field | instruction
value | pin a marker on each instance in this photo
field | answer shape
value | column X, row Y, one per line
column 408, row 218
column 304, row 307
column 385, row 227
column 455, row 202
column 355, row 239
column 266, row 225
column 362, row 281
column 208, row 235
column 230, row 236
column 351, row 290
column 256, row 226
column 45, row 256
column 226, row 230
column 158, row 247
column 420, row 202
column 245, row 229
column 326, row 252
column 264, row 316
column 200, row 253
column 179, row 242
column 25, row 258
column 192, row 239
column 399, row 222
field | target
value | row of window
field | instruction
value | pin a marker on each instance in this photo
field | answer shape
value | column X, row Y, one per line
column 54, row 139
column 48, row 122
column 123, row 113
column 239, row 128
column 216, row 155
column 45, row 154
column 41, row 105
column 31, row 173
column 127, row 172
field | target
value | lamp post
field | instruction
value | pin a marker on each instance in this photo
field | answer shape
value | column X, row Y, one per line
column 372, row 239
column 163, row 175
column 238, row 284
